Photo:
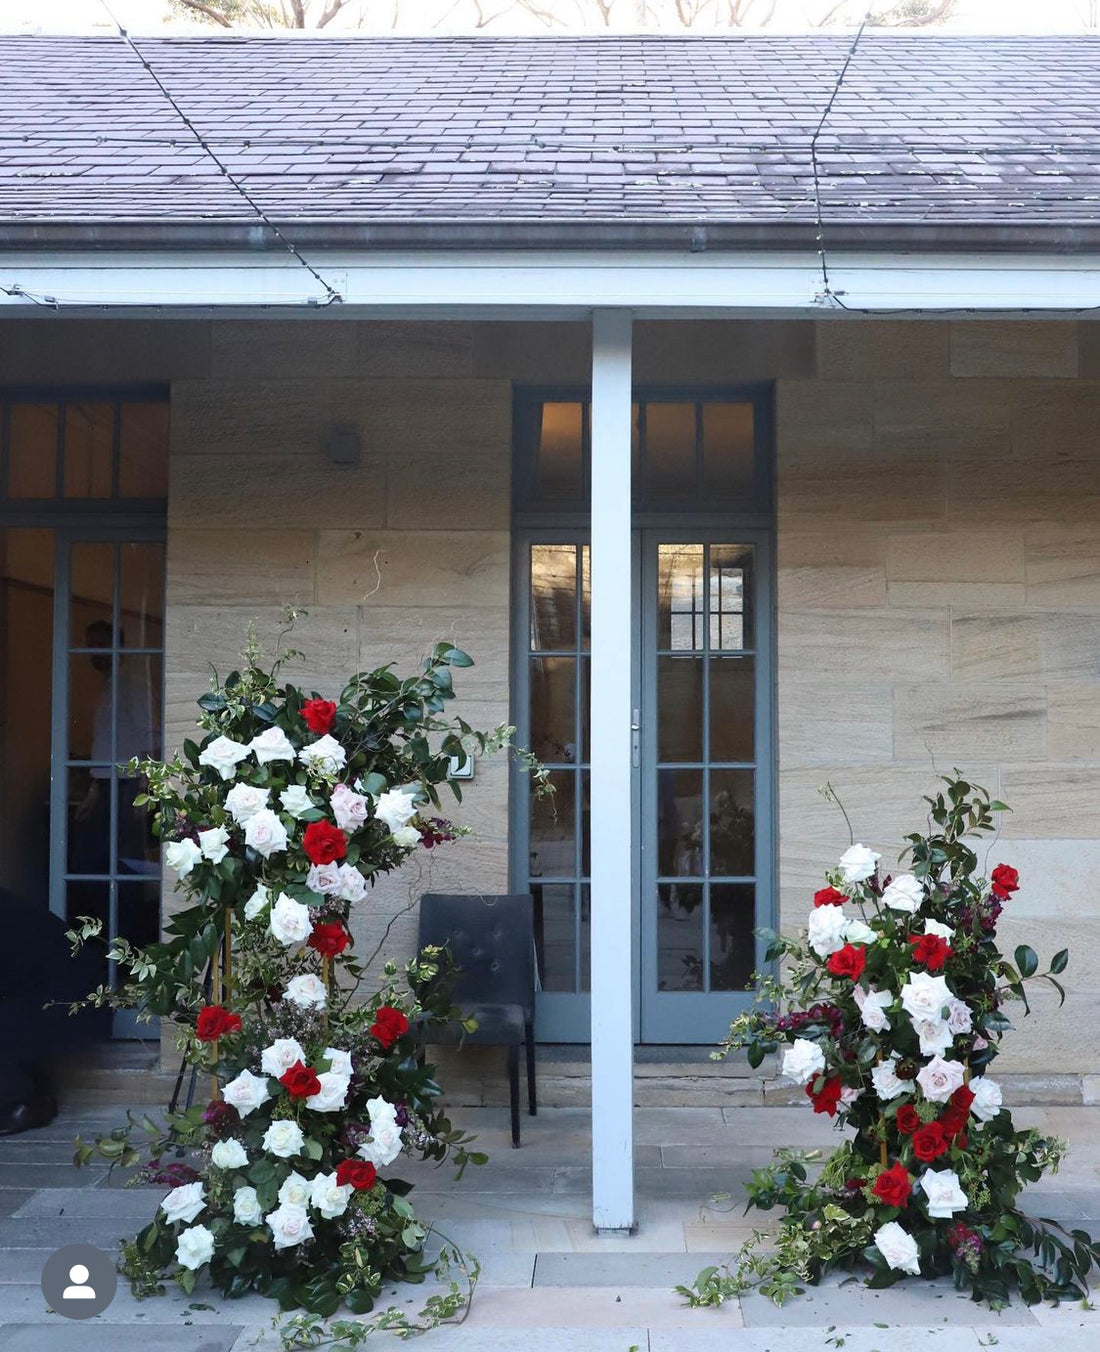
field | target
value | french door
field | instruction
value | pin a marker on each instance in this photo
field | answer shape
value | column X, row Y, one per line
column 700, row 674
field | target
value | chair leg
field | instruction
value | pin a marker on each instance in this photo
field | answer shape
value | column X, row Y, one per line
column 532, row 1101
column 513, row 1089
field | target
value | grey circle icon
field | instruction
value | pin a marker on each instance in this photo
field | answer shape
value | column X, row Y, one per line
column 79, row 1281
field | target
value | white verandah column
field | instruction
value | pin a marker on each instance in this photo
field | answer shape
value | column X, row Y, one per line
column 611, row 821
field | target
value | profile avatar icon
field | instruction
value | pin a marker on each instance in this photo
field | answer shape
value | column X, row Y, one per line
column 79, row 1289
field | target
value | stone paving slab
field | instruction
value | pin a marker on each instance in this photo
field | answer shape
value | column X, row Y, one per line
column 662, row 1271
column 92, row 1204
column 39, row 1232
column 86, row 1336
column 924, row 1303
column 590, row 1307
column 47, row 1176
column 23, row 1265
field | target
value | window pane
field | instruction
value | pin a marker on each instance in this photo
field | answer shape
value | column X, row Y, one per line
column 680, row 823
column 679, row 708
column 670, row 450
column 586, row 938
column 553, row 829
column 141, row 596
column 553, row 598
column 680, row 913
column 32, row 451
column 138, row 707
column 559, row 470
column 732, row 823
column 680, row 597
column 732, row 689
column 92, row 589
column 732, row 951
column 139, row 912
column 730, row 602
column 728, row 449
column 26, row 647
column 555, row 935
column 90, row 707
column 586, row 597
column 89, row 820
column 553, row 710
column 143, row 451
column 89, row 450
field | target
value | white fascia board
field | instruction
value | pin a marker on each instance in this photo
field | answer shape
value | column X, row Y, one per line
column 543, row 284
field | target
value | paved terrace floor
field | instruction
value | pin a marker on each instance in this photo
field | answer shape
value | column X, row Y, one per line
column 549, row 1283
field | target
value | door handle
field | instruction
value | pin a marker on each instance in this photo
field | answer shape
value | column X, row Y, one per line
column 636, row 740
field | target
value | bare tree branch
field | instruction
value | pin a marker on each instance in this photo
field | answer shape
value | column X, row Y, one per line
column 207, row 11
column 332, row 8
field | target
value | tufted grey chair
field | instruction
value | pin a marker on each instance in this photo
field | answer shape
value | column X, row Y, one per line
column 491, row 940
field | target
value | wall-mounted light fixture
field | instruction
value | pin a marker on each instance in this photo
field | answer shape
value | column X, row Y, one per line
column 343, row 446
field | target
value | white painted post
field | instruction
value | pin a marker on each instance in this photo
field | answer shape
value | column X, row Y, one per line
column 612, row 826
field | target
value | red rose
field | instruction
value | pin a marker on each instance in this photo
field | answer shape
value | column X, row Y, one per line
column 389, row 1024
column 962, row 1098
column 908, row 1119
column 324, row 843
column 300, row 1081
column 827, row 1098
column 214, row 1022
column 358, row 1173
column 893, row 1187
column 848, row 961
column 318, row 715
column 931, row 951
column 929, row 1142
column 1004, row 881
column 829, row 896
column 329, row 938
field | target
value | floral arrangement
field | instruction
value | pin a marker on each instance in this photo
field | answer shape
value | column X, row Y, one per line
column 892, row 1007
column 277, row 823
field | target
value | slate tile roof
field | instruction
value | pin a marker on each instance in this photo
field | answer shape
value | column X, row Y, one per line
column 700, row 130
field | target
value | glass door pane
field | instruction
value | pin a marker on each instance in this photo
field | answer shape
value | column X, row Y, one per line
column 701, row 786
column 110, row 686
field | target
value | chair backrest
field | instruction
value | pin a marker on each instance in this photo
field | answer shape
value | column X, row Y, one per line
column 492, row 942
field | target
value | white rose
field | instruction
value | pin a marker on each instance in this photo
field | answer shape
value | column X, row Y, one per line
column 272, row 745
column 277, row 1059
column 339, row 1062
column 325, row 756
column 307, row 992
column 324, row 878
column 884, row 1078
column 257, row 903
column 195, row 1247
column 925, row 997
column 289, row 1226
column 246, row 1093
column 856, row 932
column 406, row 837
column 214, row 844
column 246, row 1207
column 935, row 1036
column 803, row 1059
column 939, row 1078
column 182, row 856
column 184, row 1204
column 224, row 755
column 858, row 863
column 229, row 1154
column 289, row 921
column 987, row 1098
column 296, row 800
column 905, row 893
column 872, row 1008
column 265, row 833
column 825, row 929
column 383, row 1147
column 244, row 801
column 283, row 1138
column 938, row 928
column 898, row 1247
column 330, row 1199
column 395, row 808
column 353, row 886
column 381, row 1113
column 295, row 1190
column 332, row 1095
column 349, row 808
column 959, row 1018
column 945, row 1196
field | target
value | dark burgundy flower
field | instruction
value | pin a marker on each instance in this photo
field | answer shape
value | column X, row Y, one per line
column 220, row 1117
column 907, row 1119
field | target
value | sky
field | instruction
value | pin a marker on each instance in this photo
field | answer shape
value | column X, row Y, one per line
column 443, row 16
